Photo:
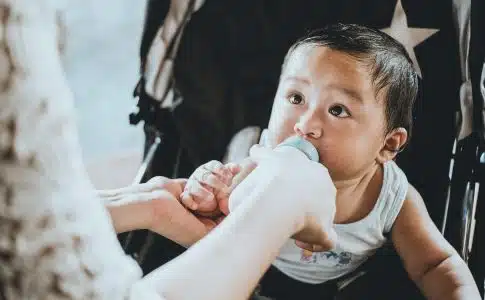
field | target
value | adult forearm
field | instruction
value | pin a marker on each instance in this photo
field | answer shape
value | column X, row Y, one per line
column 451, row 280
column 130, row 216
column 131, row 207
column 233, row 257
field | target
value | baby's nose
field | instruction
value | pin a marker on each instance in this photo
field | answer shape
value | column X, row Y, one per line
column 308, row 126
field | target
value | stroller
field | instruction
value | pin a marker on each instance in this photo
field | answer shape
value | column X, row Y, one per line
column 227, row 59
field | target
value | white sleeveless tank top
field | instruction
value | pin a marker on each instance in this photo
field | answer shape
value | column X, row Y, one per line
column 356, row 241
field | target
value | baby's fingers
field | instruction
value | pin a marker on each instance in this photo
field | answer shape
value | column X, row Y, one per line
column 233, row 168
column 197, row 197
column 224, row 205
column 222, row 172
column 209, row 178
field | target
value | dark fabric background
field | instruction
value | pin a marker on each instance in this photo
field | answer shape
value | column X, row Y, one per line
column 229, row 62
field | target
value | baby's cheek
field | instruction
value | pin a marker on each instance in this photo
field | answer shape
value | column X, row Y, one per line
column 340, row 164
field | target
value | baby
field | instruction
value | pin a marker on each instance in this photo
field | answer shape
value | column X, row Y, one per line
column 350, row 90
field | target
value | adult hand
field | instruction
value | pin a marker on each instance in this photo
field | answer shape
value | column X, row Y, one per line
column 172, row 220
column 154, row 205
column 306, row 183
column 207, row 189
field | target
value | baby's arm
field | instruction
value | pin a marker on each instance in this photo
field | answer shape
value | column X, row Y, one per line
column 429, row 259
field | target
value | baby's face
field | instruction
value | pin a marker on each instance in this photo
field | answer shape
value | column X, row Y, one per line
column 328, row 97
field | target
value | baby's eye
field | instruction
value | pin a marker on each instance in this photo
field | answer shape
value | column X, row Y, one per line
column 295, row 99
column 339, row 111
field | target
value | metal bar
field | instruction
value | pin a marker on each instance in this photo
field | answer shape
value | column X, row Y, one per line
column 448, row 195
column 148, row 159
column 141, row 172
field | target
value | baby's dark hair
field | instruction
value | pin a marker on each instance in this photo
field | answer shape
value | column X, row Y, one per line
column 391, row 68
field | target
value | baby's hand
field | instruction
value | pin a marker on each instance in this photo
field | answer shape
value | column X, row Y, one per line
column 207, row 190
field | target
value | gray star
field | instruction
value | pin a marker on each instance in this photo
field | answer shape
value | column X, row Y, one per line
column 408, row 36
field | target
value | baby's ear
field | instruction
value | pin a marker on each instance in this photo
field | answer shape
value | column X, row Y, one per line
column 393, row 144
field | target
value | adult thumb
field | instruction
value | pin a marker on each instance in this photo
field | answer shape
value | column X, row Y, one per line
column 326, row 241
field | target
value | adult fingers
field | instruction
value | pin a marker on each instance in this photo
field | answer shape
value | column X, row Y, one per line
column 322, row 242
column 178, row 224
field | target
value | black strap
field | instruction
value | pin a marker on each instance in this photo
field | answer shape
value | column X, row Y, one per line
column 149, row 109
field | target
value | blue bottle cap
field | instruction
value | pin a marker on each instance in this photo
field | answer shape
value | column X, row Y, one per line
column 303, row 145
